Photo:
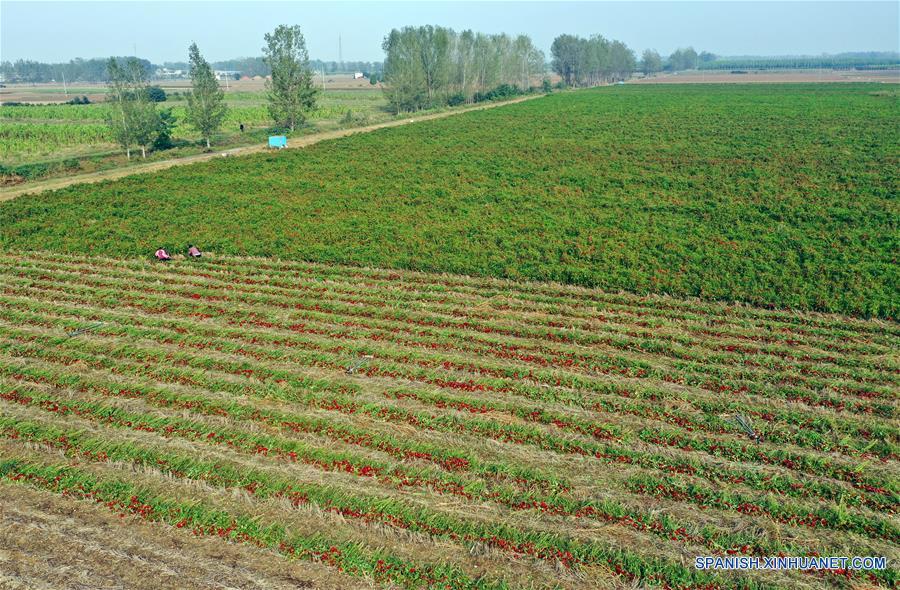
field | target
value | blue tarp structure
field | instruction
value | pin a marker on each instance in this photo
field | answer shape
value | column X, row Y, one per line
column 277, row 141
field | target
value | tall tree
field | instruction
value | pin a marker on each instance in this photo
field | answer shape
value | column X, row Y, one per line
column 405, row 86
column 426, row 66
column 565, row 51
column 434, row 53
column 465, row 60
column 529, row 61
column 147, row 122
column 290, row 91
column 588, row 62
column 206, row 107
column 120, row 117
column 683, row 59
column 622, row 61
column 651, row 62
column 132, row 115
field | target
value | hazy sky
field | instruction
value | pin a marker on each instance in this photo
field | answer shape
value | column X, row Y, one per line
column 161, row 31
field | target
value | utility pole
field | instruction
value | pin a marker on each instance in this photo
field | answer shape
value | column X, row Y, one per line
column 340, row 52
column 65, row 88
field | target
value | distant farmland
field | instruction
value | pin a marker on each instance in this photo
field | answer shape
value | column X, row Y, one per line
column 32, row 133
column 775, row 195
column 429, row 430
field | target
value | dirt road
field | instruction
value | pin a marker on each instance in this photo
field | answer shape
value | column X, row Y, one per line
column 295, row 143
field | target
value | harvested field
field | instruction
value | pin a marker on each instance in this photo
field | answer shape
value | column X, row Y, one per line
column 342, row 425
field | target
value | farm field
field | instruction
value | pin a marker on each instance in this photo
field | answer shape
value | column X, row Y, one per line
column 349, row 426
column 36, row 133
column 776, row 195
column 54, row 92
column 770, row 76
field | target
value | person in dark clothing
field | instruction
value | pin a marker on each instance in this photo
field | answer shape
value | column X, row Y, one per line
column 242, row 127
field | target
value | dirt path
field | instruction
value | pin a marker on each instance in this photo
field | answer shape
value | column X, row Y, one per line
column 295, row 143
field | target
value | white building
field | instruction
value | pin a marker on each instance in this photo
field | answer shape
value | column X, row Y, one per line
column 227, row 74
column 358, row 75
column 166, row 73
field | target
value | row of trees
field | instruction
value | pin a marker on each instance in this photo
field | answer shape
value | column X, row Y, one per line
column 95, row 70
column 688, row 59
column 135, row 120
column 428, row 66
column 588, row 62
column 133, row 115
column 257, row 66
column 855, row 60
column 681, row 59
column 569, row 48
column 77, row 70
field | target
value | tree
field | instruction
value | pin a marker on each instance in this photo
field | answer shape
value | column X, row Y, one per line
column 588, row 62
column 434, row 52
column 120, row 116
column 651, row 62
column 683, row 59
column 156, row 94
column 290, row 92
column 529, row 61
column 165, row 129
column 147, row 122
column 565, row 51
column 622, row 62
column 403, row 75
column 206, row 107
column 427, row 66
column 132, row 116
column 595, row 60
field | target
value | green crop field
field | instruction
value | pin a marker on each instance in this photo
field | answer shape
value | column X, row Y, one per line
column 414, row 430
column 571, row 343
column 30, row 133
column 777, row 195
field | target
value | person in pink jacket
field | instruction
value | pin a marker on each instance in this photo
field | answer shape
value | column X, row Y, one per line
column 162, row 255
column 194, row 252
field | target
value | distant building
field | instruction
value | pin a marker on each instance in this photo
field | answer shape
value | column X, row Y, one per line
column 167, row 74
column 358, row 75
column 228, row 74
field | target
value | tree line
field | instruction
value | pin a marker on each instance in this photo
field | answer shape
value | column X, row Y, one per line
column 257, row 66
column 588, row 62
column 136, row 122
column 861, row 60
column 77, row 70
column 578, row 61
column 429, row 66
column 95, row 69
column 597, row 60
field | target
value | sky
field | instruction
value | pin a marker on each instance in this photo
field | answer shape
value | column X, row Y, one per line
column 161, row 31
